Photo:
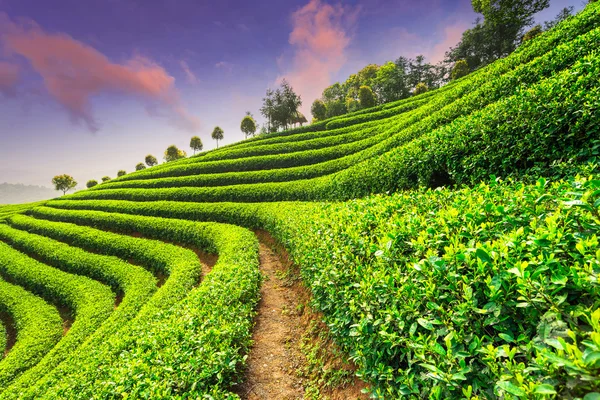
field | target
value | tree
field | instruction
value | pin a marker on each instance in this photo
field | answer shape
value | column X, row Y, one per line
column 352, row 104
column 121, row 173
column 420, row 88
column 91, row 183
column 217, row 134
column 533, row 32
column 268, row 109
column 366, row 97
column 173, row 153
column 318, row 110
column 140, row 166
column 460, row 69
column 196, row 144
column 560, row 17
column 336, row 108
column 391, row 84
column 248, row 125
column 64, row 182
column 334, row 98
column 105, row 178
column 151, row 160
column 280, row 107
column 500, row 32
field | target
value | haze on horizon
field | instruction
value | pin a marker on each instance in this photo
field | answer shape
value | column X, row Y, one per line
column 142, row 77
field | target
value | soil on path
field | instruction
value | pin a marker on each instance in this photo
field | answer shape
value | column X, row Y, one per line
column 281, row 322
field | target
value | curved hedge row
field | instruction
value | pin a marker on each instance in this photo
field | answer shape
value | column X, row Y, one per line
column 90, row 302
column 38, row 325
column 134, row 282
column 181, row 266
column 434, row 293
column 423, row 121
column 401, row 167
column 374, row 116
column 202, row 339
column 549, row 122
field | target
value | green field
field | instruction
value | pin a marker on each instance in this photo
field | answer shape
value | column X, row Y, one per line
column 449, row 240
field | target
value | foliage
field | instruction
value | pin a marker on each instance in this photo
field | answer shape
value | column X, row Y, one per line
column 105, row 178
column 121, row 172
column 389, row 82
column 248, row 125
column 39, row 328
column 533, row 32
column 366, row 97
column 150, row 160
column 280, row 107
column 140, row 166
column 217, row 134
column 64, row 183
column 448, row 284
column 420, row 89
column 91, row 183
column 460, row 69
column 562, row 15
column 500, row 32
column 318, row 110
column 196, row 144
column 173, row 153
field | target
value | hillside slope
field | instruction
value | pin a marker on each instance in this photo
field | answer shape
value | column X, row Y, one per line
column 457, row 285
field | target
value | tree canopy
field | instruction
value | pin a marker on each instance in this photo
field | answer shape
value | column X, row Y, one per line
column 318, row 110
column 64, row 183
column 498, row 34
column 140, row 166
column 121, row 172
column 391, row 81
column 248, row 125
column 366, row 97
column 173, row 153
column 151, row 160
column 280, row 107
column 217, row 134
column 91, row 183
column 196, row 144
column 460, row 69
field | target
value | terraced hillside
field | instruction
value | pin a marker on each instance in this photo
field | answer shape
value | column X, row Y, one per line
column 438, row 281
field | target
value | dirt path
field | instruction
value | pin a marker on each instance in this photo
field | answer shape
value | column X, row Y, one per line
column 270, row 364
column 281, row 325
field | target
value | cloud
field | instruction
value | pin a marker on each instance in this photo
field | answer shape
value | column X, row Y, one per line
column 9, row 76
column 74, row 72
column 191, row 78
column 434, row 46
column 450, row 38
column 319, row 39
column 224, row 65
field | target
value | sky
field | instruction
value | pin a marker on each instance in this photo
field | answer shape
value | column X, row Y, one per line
column 90, row 87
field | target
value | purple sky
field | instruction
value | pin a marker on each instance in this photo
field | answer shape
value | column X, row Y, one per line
column 91, row 87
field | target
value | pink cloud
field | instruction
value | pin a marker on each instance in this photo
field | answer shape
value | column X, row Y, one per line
column 319, row 38
column 450, row 38
column 434, row 47
column 191, row 77
column 9, row 76
column 74, row 72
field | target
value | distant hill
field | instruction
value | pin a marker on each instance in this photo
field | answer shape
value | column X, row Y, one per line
column 19, row 193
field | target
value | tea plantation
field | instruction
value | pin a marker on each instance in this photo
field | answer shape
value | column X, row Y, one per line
column 450, row 241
